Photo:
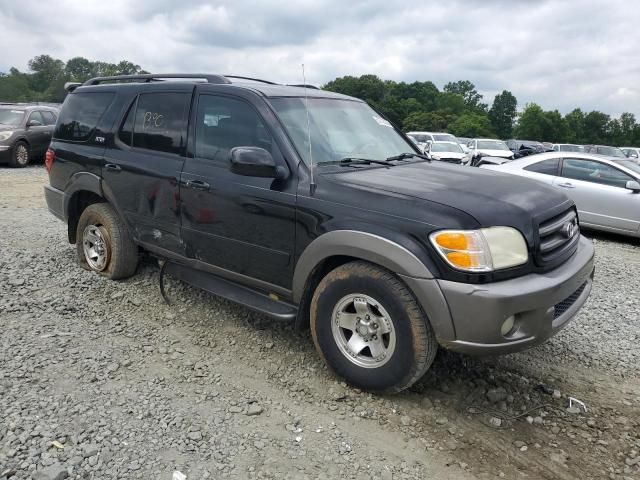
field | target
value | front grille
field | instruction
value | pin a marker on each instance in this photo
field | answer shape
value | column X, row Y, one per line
column 555, row 245
column 564, row 305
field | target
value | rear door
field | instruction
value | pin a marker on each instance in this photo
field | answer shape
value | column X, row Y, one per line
column 142, row 164
column 600, row 194
column 242, row 226
column 544, row 171
column 50, row 122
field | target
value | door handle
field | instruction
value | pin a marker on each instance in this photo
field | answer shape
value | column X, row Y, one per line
column 112, row 167
column 566, row 185
column 197, row 185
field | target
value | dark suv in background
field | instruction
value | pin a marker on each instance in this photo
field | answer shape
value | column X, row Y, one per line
column 310, row 206
column 25, row 132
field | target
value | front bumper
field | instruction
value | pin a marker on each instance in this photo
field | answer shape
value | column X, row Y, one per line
column 541, row 304
column 5, row 153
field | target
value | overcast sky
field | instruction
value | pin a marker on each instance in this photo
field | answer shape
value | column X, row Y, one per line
column 560, row 54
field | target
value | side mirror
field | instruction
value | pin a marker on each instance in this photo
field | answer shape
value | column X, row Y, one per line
column 33, row 123
column 633, row 186
column 255, row 162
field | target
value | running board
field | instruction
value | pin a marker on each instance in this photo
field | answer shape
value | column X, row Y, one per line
column 232, row 291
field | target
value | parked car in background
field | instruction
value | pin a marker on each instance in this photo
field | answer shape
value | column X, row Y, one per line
column 25, row 132
column 567, row 147
column 488, row 147
column 631, row 152
column 463, row 141
column 522, row 148
column 605, row 150
column 448, row 152
column 606, row 190
column 422, row 138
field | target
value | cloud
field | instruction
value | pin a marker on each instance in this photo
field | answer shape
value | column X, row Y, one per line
column 560, row 54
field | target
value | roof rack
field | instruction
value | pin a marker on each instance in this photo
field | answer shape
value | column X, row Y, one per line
column 252, row 79
column 150, row 77
column 303, row 85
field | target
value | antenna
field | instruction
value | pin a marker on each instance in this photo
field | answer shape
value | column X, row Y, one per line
column 312, row 184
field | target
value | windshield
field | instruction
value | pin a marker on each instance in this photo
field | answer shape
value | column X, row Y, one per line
column 630, row 164
column 571, row 148
column 611, row 152
column 492, row 145
column 11, row 117
column 446, row 147
column 339, row 129
column 443, row 137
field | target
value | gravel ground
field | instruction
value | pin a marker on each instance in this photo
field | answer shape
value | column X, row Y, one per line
column 102, row 380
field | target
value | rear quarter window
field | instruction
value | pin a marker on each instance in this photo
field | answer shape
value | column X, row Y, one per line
column 80, row 115
column 547, row 167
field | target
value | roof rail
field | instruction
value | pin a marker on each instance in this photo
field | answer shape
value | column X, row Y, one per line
column 303, row 85
column 149, row 77
column 71, row 86
column 252, row 79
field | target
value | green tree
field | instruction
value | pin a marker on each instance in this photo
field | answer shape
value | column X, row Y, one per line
column 45, row 70
column 555, row 129
column 596, row 127
column 574, row 123
column 367, row 87
column 427, row 121
column 472, row 125
column 531, row 123
column 467, row 90
column 79, row 69
column 503, row 114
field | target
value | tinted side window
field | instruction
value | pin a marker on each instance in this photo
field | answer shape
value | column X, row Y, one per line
column 548, row 167
column 36, row 116
column 49, row 118
column 161, row 122
column 125, row 133
column 80, row 115
column 223, row 123
column 595, row 172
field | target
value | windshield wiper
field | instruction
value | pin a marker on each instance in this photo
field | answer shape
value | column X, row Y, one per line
column 358, row 161
column 404, row 156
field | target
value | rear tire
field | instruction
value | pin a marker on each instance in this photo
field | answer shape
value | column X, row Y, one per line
column 369, row 328
column 20, row 156
column 104, row 244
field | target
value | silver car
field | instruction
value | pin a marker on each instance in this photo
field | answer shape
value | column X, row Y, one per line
column 606, row 190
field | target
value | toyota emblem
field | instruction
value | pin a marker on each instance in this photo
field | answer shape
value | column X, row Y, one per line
column 569, row 229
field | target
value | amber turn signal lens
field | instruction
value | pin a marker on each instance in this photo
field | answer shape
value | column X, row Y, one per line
column 452, row 241
column 461, row 259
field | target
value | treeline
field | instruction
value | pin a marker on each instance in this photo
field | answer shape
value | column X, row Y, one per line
column 46, row 77
column 459, row 109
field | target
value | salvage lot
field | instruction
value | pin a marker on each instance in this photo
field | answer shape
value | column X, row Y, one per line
column 133, row 388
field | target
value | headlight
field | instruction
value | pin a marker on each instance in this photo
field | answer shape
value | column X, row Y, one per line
column 5, row 136
column 481, row 250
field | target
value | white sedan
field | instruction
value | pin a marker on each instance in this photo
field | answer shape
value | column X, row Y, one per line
column 606, row 190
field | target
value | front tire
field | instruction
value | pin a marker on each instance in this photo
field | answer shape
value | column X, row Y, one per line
column 20, row 156
column 369, row 328
column 104, row 244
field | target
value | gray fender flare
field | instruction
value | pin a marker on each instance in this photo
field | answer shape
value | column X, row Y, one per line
column 388, row 254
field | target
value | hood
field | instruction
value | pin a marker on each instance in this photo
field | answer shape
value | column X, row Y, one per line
column 495, row 153
column 491, row 197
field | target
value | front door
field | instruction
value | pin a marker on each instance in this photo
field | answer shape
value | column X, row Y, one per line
column 600, row 194
column 242, row 226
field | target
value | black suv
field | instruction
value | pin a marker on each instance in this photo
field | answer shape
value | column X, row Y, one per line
column 310, row 206
column 25, row 132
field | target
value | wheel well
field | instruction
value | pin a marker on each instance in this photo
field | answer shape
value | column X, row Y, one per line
column 317, row 274
column 77, row 204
